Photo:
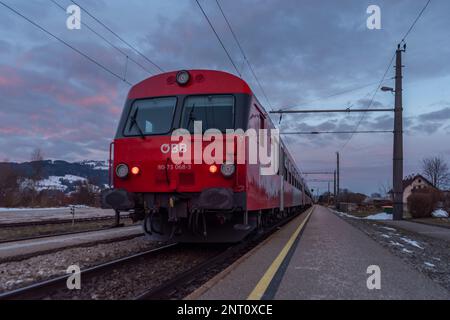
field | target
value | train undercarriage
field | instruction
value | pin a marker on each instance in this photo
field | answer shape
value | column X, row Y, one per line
column 216, row 215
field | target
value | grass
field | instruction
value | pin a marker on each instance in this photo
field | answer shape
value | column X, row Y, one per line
column 443, row 222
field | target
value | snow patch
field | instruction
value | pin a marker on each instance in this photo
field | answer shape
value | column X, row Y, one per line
column 56, row 183
column 386, row 236
column 389, row 229
column 428, row 264
column 44, row 209
column 406, row 250
column 343, row 214
column 397, row 244
column 412, row 242
column 96, row 165
column 380, row 216
column 439, row 213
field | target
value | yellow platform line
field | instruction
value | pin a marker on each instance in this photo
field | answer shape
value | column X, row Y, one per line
column 264, row 283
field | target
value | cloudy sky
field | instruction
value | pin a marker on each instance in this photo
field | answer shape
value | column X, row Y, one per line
column 304, row 52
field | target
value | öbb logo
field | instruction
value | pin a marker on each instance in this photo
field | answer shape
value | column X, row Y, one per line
column 176, row 148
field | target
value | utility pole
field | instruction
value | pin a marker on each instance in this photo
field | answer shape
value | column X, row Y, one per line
column 398, row 138
column 329, row 194
column 338, row 180
column 334, row 185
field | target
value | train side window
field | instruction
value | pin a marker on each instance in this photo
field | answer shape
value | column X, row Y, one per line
column 286, row 172
column 262, row 126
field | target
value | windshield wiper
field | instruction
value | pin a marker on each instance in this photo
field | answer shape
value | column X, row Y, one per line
column 191, row 117
column 135, row 123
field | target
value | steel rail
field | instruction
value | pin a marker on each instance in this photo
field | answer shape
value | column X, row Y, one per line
column 44, row 289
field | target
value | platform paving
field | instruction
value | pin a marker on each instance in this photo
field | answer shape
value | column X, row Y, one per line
column 330, row 261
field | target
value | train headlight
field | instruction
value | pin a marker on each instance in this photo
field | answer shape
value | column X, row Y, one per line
column 122, row 170
column 183, row 77
column 227, row 169
column 213, row 168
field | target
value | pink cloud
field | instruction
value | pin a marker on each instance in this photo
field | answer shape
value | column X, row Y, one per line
column 9, row 77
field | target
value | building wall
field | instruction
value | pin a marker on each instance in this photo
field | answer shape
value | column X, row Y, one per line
column 418, row 183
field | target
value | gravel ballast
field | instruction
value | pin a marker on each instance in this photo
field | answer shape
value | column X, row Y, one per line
column 429, row 255
column 21, row 273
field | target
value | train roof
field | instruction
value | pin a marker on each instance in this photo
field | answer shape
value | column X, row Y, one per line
column 201, row 82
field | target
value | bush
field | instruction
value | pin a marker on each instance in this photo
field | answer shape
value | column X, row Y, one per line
column 422, row 204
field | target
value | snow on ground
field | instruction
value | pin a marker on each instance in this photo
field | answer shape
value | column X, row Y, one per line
column 43, row 209
column 412, row 242
column 56, row 183
column 96, row 165
column 343, row 214
column 428, row 264
column 380, row 216
column 440, row 213
column 395, row 243
column 406, row 250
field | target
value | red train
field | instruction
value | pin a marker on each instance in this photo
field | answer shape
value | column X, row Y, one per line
column 223, row 201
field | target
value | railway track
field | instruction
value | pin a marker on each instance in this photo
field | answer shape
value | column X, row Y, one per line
column 50, row 288
column 57, row 221
column 178, row 271
column 185, row 283
column 36, row 235
column 50, row 235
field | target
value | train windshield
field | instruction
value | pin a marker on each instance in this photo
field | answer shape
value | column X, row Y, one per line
column 214, row 112
column 151, row 116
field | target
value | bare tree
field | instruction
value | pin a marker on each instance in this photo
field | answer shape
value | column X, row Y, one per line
column 36, row 163
column 384, row 189
column 436, row 170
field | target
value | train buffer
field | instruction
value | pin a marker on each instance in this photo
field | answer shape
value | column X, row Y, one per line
column 318, row 255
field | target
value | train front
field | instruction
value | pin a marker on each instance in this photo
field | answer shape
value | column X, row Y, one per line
column 198, row 200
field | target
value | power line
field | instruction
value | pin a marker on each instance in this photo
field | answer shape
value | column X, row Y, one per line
column 348, row 110
column 244, row 55
column 415, row 21
column 118, row 37
column 65, row 43
column 334, row 132
column 390, row 63
column 370, row 103
column 334, row 95
column 106, row 40
column 218, row 38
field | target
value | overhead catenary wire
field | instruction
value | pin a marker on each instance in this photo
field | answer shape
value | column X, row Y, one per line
column 415, row 21
column 118, row 36
column 65, row 43
column 334, row 94
column 334, row 132
column 370, row 102
column 244, row 55
column 107, row 41
column 390, row 64
column 218, row 38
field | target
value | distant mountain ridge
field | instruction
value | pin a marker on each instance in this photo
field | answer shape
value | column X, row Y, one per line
column 96, row 172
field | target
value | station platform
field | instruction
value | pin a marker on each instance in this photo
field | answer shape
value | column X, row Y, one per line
column 13, row 216
column 24, row 248
column 318, row 256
